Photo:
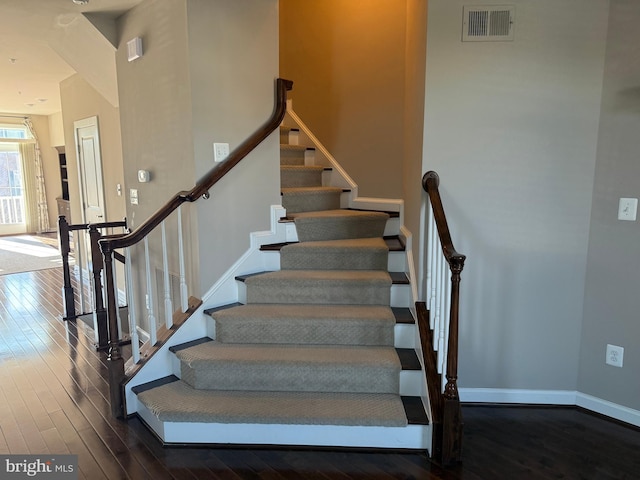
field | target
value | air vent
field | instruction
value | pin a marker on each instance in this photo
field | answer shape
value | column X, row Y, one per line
column 488, row 23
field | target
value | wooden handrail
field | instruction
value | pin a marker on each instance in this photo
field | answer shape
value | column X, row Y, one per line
column 109, row 244
column 449, row 441
column 430, row 183
column 201, row 189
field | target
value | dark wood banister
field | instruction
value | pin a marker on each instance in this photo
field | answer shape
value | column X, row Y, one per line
column 201, row 189
column 109, row 244
column 451, row 442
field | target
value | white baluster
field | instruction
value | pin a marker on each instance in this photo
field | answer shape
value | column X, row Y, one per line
column 447, row 318
column 442, row 334
column 184, row 293
column 131, row 303
column 434, row 241
column 435, row 305
column 153, row 328
column 168, row 306
column 115, row 284
column 78, row 250
column 440, row 307
column 429, row 256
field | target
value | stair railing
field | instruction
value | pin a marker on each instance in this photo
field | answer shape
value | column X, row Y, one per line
column 118, row 371
column 444, row 266
column 88, row 235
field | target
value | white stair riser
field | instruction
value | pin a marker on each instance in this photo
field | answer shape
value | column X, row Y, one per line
column 411, row 383
column 392, row 227
column 309, row 157
column 397, row 262
column 401, row 296
column 293, row 138
column 404, row 335
column 409, row 437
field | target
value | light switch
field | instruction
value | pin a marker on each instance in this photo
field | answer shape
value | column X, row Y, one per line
column 133, row 196
column 220, row 151
column 627, row 209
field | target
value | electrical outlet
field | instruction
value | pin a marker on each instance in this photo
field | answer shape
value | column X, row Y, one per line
column 220, row 151
column 627, row 209
column 615, row 355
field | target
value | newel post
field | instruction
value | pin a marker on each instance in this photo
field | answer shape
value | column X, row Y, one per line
column 97, row 267
column 114, row 358
column 67, row 288
column 452, row 413
column 451, row 388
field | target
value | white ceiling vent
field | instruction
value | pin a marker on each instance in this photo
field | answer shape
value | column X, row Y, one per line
column 488, row 23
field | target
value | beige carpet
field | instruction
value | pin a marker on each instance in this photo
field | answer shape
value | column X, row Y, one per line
column 26, row 253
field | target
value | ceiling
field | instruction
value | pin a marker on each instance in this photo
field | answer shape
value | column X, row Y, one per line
column 33, row 31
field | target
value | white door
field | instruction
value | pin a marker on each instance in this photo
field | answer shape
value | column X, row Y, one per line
column 90, row 170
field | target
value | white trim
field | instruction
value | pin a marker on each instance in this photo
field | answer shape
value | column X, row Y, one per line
column 610, row 409
column 507, row 395
column 122, row 298
column 410, row 437
column 551, row 397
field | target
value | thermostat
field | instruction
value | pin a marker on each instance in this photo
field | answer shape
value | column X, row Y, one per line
column 144, row 176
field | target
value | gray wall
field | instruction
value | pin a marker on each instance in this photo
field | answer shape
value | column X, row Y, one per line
column 79, row 101
column 511, row 127
column 155, row 99
column 207, row 75
column 612, row 302
column 233, row 47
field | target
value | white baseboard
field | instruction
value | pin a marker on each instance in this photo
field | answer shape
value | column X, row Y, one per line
column 504, row 395
column 609, row 409
column 551, row 397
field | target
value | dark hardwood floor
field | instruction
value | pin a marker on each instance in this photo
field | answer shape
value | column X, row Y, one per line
column 53, row 400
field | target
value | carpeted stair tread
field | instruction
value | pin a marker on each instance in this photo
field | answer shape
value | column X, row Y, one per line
column 351, row 287
column 178, row 402
column 338, row 224
column 292, row 154
column 308, row 199
column 306, row 324
column 300, row 176
column 344, row 254
column 277, row 367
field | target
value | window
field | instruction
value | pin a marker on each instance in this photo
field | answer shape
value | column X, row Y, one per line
column 14, row 132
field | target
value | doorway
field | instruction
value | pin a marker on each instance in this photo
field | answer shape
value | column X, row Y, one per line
column 12, row 194
column 90, row 170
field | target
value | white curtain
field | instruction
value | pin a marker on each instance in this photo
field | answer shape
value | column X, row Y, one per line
column 35, row 194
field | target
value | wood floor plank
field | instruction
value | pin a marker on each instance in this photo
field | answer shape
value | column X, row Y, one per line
column 87, row 465
column 54, row 399
column 10, row 428
column 55, row 442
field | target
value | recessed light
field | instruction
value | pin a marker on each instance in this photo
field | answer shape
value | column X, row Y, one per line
column 80, row 2
column 29, row 104
column 42, row 100
column 13, row 60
